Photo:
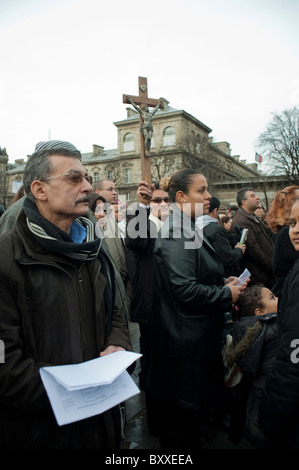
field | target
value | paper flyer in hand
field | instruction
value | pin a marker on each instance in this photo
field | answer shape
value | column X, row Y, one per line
column 79, row 391
column 243, row 277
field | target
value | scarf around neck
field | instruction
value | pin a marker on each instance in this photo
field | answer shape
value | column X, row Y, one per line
column 53, row 239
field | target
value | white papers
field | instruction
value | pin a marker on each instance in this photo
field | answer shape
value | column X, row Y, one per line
column 243, row 277
column 78, row 391
column 99, row 371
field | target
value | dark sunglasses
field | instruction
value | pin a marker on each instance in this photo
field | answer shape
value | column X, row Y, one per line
column 158, row 200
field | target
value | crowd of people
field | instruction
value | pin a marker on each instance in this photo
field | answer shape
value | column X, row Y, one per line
column 78, row 266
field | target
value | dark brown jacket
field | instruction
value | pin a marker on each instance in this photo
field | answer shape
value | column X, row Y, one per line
column 52, row 312
column 259, row 248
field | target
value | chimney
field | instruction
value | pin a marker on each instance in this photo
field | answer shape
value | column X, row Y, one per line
column 96, row 150
column 165, row 103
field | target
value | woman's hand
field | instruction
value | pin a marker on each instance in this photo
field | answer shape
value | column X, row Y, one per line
column 236, row 291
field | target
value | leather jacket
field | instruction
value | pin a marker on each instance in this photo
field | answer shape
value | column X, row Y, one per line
column 187, row 318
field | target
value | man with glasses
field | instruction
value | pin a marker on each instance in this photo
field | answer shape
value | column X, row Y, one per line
column 57, row 303
column 152, row 210
column 159, row 206
column 107, row 189
column 259, row 243
column 113, row 236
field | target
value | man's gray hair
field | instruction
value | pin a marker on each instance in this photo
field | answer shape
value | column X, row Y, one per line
column 39, row 166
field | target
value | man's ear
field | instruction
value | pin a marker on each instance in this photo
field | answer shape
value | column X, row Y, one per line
column 38, row 190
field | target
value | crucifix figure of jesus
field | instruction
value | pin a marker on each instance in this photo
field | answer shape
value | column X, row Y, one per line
column 146, row 126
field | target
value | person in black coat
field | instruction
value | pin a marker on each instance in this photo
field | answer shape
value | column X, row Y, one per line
column 279, row 409
column 190, row 299
column 142, row 230
column 254, row 349
column 144, row 222
column 219, row 238
column 277, row 219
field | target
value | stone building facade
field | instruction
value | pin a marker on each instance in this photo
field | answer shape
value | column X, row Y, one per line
column 179, row 140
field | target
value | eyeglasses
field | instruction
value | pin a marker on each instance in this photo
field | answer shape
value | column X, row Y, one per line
column 72, row 178
column 111, row 189
column 158, row 200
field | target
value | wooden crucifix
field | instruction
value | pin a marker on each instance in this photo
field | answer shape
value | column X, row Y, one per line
column 146, row 126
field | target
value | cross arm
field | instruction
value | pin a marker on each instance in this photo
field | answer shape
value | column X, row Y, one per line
column 140, row 100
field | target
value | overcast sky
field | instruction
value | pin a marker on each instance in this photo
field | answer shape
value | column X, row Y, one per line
column 66, row 63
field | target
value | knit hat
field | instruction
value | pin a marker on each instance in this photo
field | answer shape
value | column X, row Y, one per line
column 55, row 144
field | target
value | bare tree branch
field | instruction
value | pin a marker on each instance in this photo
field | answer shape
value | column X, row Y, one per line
column 279, row 144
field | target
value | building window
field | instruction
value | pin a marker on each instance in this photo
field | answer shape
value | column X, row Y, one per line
column 127, row 175
column 96, row 176
column 129, row 142
column 168, row 137
column 109, row 175
column 128, row 197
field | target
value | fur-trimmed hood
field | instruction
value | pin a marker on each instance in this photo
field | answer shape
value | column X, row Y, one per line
column 254, row 346
column 234, row 353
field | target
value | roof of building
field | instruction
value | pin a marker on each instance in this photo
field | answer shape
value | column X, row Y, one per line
column 16, row 169
column 134, row 115
column 105, row 155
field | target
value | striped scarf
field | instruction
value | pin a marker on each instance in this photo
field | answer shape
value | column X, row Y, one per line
column 51, row 238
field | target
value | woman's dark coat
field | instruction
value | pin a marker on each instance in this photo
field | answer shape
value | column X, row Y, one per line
column 188, row 315
column 283, row 258
column 279, row 411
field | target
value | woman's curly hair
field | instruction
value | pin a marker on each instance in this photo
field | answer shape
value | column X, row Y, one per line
column 279, row 211
column 248, row 302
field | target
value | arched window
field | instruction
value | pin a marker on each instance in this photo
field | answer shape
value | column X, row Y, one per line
column 129, row 142
column 168, row 136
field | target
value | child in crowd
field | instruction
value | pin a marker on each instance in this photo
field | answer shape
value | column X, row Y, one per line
column 253, row 350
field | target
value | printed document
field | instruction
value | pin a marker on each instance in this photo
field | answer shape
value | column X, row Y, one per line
column 79, row 391
column 243, row 277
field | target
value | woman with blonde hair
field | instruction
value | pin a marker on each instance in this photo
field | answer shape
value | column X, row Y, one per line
column 277, row 219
